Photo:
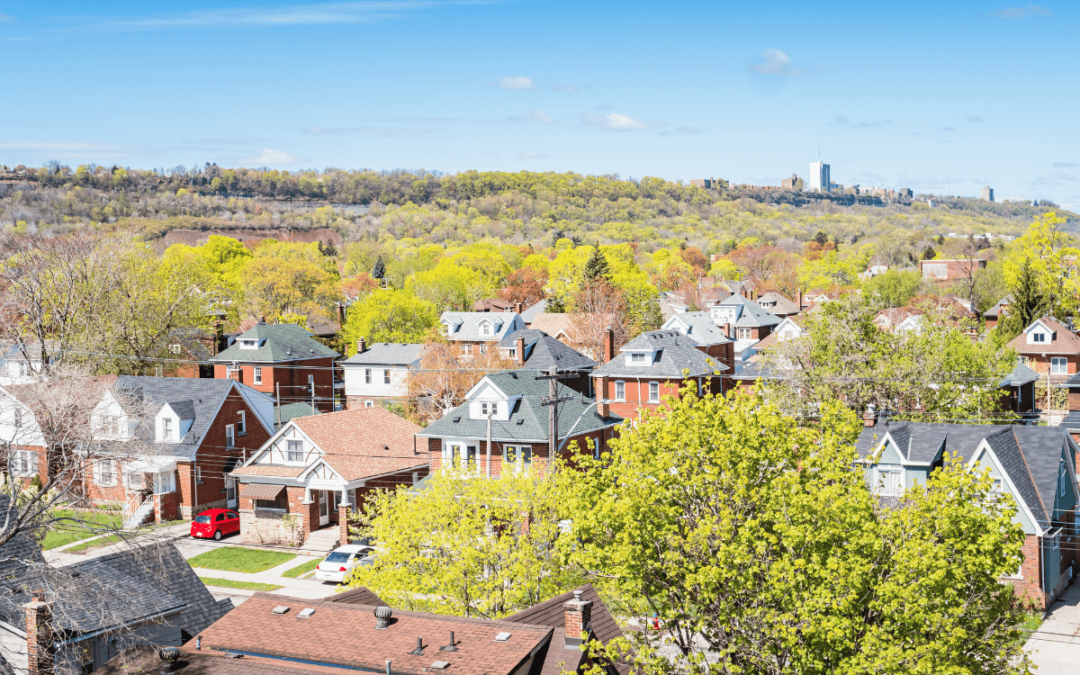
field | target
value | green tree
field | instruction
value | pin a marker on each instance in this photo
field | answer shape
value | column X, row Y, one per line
column 389, row 316
column 761, row 551
column 467, row 545
column 1028, row 303
column 597, row 266
column 1053, row 256
column 378, row 270
column 893, row 288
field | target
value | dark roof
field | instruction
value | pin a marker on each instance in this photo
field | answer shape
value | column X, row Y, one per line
column 291, row 411
column 279, row 342
column 201, row 398
column 673, row 352
column 529, row 314
column 1022, row 375
column 921, row 443
column 753, row 314
column 528, row 421
column 699, row 327
column 995, row 311
column 19, row 552
column 387, row 354
column 543, row 351
column 757, row 370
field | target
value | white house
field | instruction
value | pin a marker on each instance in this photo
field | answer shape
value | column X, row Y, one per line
column 477, row 331
column 379, row 372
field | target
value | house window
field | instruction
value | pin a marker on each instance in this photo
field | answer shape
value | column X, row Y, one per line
column 1038, row 337
column 369, row 404
column 241, row 426
column 386, row 377
column 367, row 375
column 258, row 375
column 296, row 451
column 1063, row 480
column 174, row 349
column 466, row 350
column 483, row 349
column 279, row 504
column 744, row 334
column 460, row 455
column 654, row 392
column 637, row 358
column 620, row 390
column 311, row 384
column 24, row 463
column 106, row 477
column 512, row 353
column 888, row 482
column 519, row 457
column 198, row 475
column 1059, row 365
column 997, row 488
column 166, row 428
column 486, row 330
column 230, row 435
column 249, row 344
column 484, row 408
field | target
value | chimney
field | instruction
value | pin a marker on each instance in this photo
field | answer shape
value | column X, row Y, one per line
column 236, row 374
column 609, row 344
column 870, row 416
column 341, row 314
column 601, row 397
column 577, row 619
column 519, row 307
column 798, row 299
column 40, row 652
column 521, row 349
column 361, row 346
column 727, row 330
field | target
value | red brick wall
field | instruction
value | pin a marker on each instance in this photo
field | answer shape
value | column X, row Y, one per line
column 167, row 507
column 1041, row 364
column 1028, row 588
column 637, row 394
column 540, row 455
column 292, row 376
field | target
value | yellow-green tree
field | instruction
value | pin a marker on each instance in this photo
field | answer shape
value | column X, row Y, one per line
column 389, row 316
column 1054, row 258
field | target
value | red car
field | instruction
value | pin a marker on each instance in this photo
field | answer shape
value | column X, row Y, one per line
column 215, row 523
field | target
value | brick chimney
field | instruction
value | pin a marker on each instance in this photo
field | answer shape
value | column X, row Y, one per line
column 602, row 407
column 361, row 346
column 341, row 314
column 798, row 300
column 727, row 330
column 519, row 307
column 520, row 344
column 40, row 650
column 577, row 619
column 609, row 344
column 870, row 416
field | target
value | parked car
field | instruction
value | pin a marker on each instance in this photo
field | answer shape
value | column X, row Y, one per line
column 342, row 560
column 215, row 524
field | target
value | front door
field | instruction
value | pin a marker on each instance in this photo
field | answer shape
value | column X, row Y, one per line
column 324, row 508
column 230, row 492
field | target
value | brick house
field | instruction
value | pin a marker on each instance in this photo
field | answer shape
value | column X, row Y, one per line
column 699, row 328
column 281, row 361
column 654, row 365
column 1018, row 392
column 949, row 270
column 743, row 319
column 315, row 468
column 476, row 332
column 534, row 349
column 356, row 631
column 195, row 431
column 995, row 314
column 520, row 427
column 379, row 372
column 1036, row 466
column 1049, row 347
column 25, row 448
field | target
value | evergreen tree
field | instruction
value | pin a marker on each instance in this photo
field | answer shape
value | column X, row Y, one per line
column 929, row 253
column 654, row 318
column 821, row 238
column 556, row 235
column 328, row 249
column 1028, row 303
column 379, row 270
column 597, row 266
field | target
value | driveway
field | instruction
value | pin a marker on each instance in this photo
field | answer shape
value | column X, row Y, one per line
column 1055, row 647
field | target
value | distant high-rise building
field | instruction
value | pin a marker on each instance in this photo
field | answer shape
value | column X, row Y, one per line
column 820, row 178
column 988, row 193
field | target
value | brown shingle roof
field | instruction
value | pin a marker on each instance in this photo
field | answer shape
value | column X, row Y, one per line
column 1065, row 342
column 553, row 324
column 257, row 470
column 364, row 442
column 356, row 596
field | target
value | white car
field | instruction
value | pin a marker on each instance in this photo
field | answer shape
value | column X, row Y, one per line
column 341, row 561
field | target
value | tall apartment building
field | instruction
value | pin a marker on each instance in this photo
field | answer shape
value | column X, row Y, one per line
column 820, row 178
column 988, row 193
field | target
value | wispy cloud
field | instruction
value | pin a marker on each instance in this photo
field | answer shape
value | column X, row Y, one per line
column 843, row 121
column 334, row 13
column 569, row 88
column 947, row 129
column 1018, row 13
column 536, row 115
column 69, row 147
column 271, row 157
column 690, row 131
column 977, row 119
column 519, row 83
column 531, row 155
column 617, row 122
column 1055, row 179
column 382, row 132
column 1066, row 165
column 776, row 63
column 4, row 18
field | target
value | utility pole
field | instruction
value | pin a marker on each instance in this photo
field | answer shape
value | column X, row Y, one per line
column 489, row 443
column 277, row 403
column 551, row 402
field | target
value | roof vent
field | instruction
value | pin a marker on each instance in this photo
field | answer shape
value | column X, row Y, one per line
column 382, row 617
column 521, row 421
column 452, row 647
column 502, row 637
column 440, row 665
column 306, row 614
column 457, row 419
column 280, row 609
column 419, row 651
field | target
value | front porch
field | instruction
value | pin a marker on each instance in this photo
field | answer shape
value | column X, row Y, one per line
column 276, row 514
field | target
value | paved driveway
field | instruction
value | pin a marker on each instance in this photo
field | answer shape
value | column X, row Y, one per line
column 1055, row 647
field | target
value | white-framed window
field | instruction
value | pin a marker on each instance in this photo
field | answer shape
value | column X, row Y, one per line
column 620, row 390
column 1059, row 365
column 386, row 377
column 24, row 463
column 1038, row 337
column 654, row 392
column 198, row 474
column 1055, row 539
column 241, row 426
column 485, row 329
column 311, row 384
column 517, row 457
column 230, row 435
column 257, row 378
column 369, row 403
column 998, row 487
column 637, row 358
column 174, row 349
column 512, row 353
column 466, row 350
column 484, row 408
column 295, row 451
column 483, row 349
column 887, row 481
column 249, row 344
column 461, row 455
column 744, row 334
column 166, row 428
column 367, row 375
column 105, row 472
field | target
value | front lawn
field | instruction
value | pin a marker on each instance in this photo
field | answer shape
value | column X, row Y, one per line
column 243, row 585
column 86, row 524
column 237, row 559
column 300, row 570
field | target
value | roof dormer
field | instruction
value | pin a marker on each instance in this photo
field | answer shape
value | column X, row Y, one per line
column 1040, row 334
column 173, row 421
column 250, row 343
column 641, row 357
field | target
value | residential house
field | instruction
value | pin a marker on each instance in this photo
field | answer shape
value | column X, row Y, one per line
column 816, row 296
column 949, row 270
column 743, row 319
column 356, row 631
column 290, row 411
column 283, row 361
column 194, row 350
column 520, row 426
column 1036, row 466
column 379, row 372
column 1018, row 392
column 790, row 328
column 496, row 305
column 476, row 332
column 533, row 310
column 557, row 325
column 26, row 449
column 533, row 349
column 995, row 314
column 315, row 468
column 1048, row 346
column 778, row 305
column 20, row 361
column 653, row 365
column 93, row 610
column 706, row 335
column 899, row 319
column 195, row 431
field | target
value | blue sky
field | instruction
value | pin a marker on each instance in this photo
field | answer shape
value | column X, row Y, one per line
column 941, row 97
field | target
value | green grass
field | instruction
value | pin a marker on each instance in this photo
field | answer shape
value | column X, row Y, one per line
column 90, row 524
column 294, row 572
column 236, row 559
column 94, row 543
column 244, row 585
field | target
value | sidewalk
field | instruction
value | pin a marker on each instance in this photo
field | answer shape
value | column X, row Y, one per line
column 299, row 588
column 1055, row 647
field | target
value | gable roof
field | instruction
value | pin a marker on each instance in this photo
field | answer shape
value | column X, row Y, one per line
column 995, row 311
column 387, row 354
column 533, row 311
column 699, row 327
column 528, row 421
column 291, row 411
column 782, row 306
column 1064, row 342
column 753, row 315
column 675, row 353
column 1020, row 376
column 277, row 342
column 543, row 351
column 469, row 324
column 553, row 324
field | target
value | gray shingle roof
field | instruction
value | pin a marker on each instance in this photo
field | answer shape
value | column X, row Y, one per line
column 468, row 324
column 185, row 410
column 529, row 314
column 699, row 327
column 1022, row 375
column 752, row 315
column 674, row 354
column 291, row 411
column 528, row 421
column 18, row 553
column 782, row 306
column 920, row 443
column 282, row 342
column 204, row 396
column 995, row 311
column 757, row 370
column 543, row 351
column 387, row 354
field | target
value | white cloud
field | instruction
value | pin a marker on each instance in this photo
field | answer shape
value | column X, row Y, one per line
column 531, row 155
column 520, row 83
column 536, row 115
column 617, row 122
column 569, row 88
column 776, row 63
column 62, row 146
column 381, row 132
column 1018, row 13
column 268, row 156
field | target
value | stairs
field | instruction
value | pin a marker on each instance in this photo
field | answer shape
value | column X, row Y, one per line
column 142, row 514
column 321, row 541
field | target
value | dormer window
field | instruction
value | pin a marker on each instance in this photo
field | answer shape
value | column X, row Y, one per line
column 1038, row 337
column 246, row 343
column 637, row 358
column 485, row 329
column 484, row 408
column 167, row 429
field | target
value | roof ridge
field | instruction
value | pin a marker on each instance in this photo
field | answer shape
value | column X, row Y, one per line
column 1034, row 484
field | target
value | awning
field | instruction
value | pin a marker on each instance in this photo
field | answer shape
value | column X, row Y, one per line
column 267, row 491
column 150, row 465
